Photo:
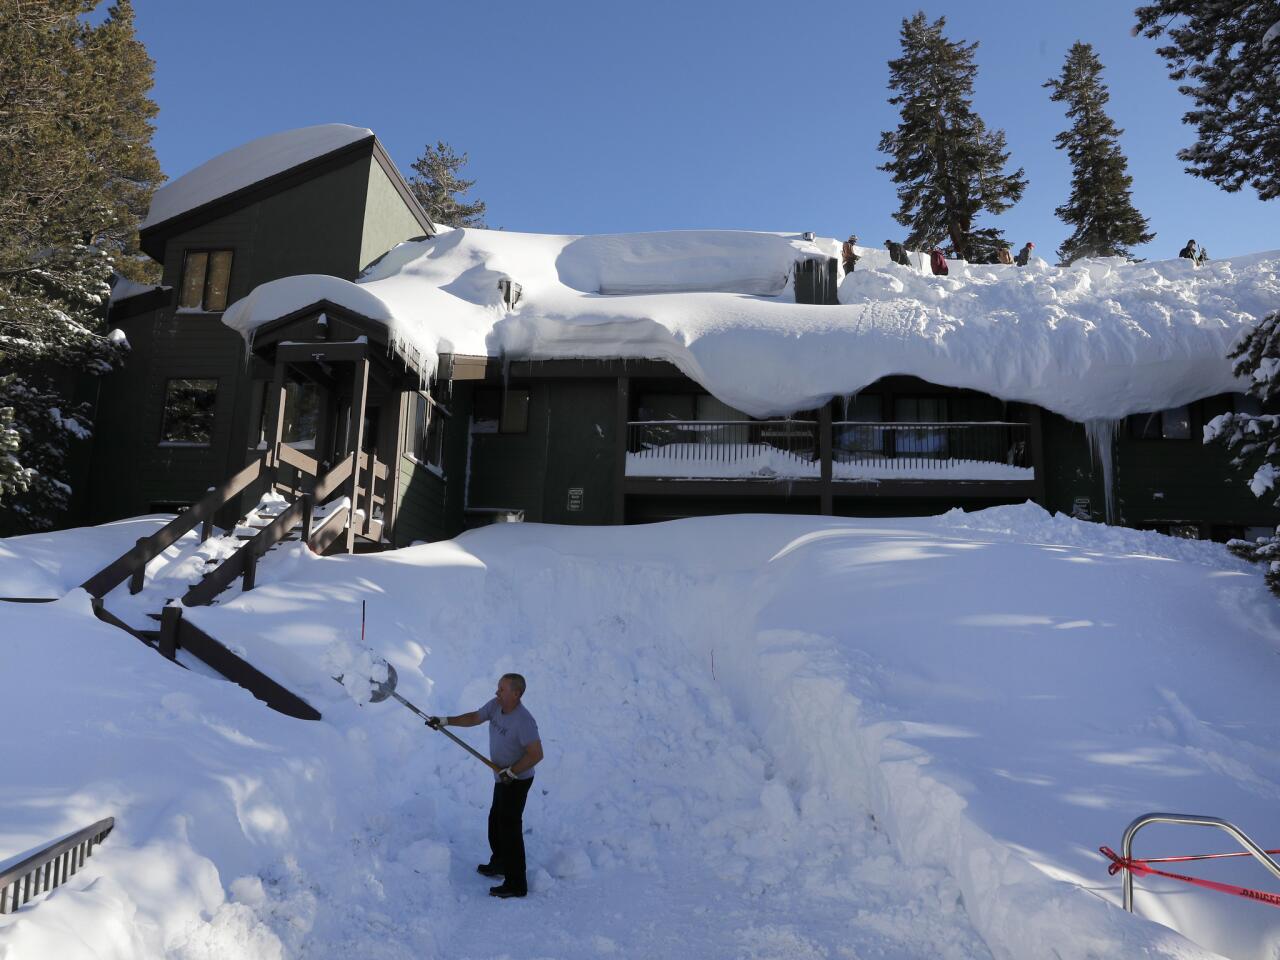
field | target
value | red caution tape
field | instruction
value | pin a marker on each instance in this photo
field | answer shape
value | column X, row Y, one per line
column 1142, row 868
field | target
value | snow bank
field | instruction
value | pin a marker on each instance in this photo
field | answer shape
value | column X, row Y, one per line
column 1100, row 339
column 247, row 165
column 766, row 737
column 41, row 565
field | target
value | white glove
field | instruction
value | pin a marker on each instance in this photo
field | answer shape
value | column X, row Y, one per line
column 506, row 775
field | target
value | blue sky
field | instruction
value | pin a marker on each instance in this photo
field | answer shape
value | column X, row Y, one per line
column 591, row 117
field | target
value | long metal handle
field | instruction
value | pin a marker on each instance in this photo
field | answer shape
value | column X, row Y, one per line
column 1195, row 820
column 458, row 740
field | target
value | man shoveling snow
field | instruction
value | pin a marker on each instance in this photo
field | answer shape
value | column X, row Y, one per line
column 515, row 749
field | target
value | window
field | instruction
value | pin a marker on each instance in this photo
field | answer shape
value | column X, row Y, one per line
column 668, row 406
column 501, row 411
column 863, row 408
column 206, row 276
column 427, row 420
column 920, row 409
column 1171, row 424
column 918, row 442
column 188, row 412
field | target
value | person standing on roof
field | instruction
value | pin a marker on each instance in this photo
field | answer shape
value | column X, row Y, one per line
column 1024, row 255
column 1004, row 256
column 516, row 747
column 1190, row 252
column 938, row 263
column 898, row 253
column 848, row 255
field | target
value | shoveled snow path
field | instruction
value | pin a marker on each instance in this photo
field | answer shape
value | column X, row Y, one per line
column 659, row 826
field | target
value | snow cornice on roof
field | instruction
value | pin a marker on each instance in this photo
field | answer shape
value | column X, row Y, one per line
column 1098, row 340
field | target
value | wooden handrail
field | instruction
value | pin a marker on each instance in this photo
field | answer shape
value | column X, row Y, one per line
column 330, row 529
column 127, row 565
column 49, row 866
column 379, row 468
column 299, row 460
column 245, row 559
column 332, row 480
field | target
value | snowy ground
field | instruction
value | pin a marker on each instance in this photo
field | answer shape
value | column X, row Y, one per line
column 766, row 737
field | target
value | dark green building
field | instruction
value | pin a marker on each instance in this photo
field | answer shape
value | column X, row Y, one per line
column 329, row 406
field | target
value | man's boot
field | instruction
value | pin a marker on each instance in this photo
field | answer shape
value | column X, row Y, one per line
column 506, row 891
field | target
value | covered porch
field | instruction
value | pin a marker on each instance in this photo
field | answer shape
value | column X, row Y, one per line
column 330, row 395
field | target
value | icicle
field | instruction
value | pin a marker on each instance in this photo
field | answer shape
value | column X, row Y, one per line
column 1101, row 433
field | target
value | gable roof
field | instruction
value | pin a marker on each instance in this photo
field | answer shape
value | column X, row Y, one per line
column 246, row 173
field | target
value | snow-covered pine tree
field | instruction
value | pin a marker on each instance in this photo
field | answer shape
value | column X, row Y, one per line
column 438, row 187
column 1101, row 205
column 76, row 173
column 1228, row 52
column 948, row 166
column 1255, row 439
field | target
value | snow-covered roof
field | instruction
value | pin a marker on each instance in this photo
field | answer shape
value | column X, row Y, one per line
column 124, row 289
column 1097, row 340
column 246, row 165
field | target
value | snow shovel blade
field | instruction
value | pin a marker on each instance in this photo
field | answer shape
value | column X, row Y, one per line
column 380, row 690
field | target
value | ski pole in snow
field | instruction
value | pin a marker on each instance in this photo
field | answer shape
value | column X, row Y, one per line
column 382, row 689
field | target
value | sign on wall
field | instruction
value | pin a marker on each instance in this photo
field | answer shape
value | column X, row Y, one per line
column 575, row 499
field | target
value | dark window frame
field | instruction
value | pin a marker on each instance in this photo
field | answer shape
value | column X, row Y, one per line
column 437, row 419
column 503, row 395
column 204, row 288
column 213, row 415
column 1139, row 426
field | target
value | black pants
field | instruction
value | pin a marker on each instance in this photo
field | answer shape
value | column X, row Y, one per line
column 506, row 830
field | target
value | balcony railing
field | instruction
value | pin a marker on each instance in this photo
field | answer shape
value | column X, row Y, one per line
column 861, row 451
column 979, row 450
column 724, row 449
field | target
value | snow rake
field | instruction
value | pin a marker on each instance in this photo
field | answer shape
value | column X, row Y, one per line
column 380, row 690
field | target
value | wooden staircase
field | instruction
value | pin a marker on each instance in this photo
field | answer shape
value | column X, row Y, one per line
column 314, row 509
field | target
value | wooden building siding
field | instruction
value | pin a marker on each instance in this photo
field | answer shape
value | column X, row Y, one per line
column 320, row 225
column 1186, row 481
column 422, row 510
column 387, row 221
column 561, row 469
column 1070, row 470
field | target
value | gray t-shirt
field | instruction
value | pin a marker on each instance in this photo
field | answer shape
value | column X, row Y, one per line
column 509, row 734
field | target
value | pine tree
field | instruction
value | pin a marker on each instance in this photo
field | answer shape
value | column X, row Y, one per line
column 948, row 166
column 1228, row 51
column 1101, row 206
column 76, row 173
column 1255, row 439
column 438, row 187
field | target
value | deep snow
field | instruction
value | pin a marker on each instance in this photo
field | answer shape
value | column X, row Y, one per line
column 1097, row 340
column 766, row 737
